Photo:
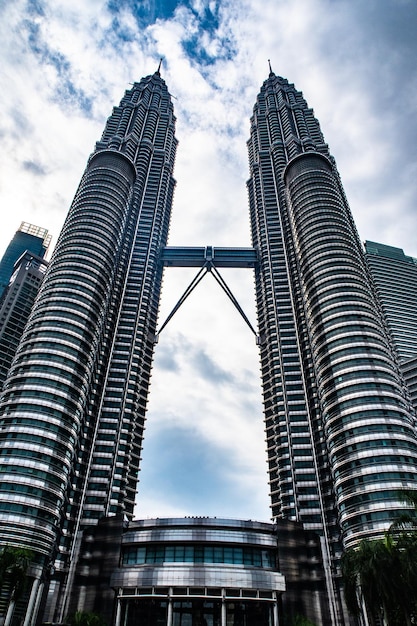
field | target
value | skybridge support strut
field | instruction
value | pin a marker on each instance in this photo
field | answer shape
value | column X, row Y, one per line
column 209, row 259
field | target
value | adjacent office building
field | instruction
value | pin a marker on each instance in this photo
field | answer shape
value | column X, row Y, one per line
column 22, row 269
column 341, row 437
column 395, row 278
column 394, row 275
column 16, row 304
column 28, row 237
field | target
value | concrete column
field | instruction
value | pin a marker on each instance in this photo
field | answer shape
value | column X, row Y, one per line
column 118, row 613
column 37, row 605
column 32, row 599
column 223, row 608
column 126, row 613
column 275, row 611
column 170, row 611
column 9, row 614
column 364, row 614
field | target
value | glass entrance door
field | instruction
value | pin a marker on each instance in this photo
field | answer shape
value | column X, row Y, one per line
column 249, row 614
column 196, row 613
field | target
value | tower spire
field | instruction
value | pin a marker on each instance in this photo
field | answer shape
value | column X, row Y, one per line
column 158, row 71
column 270, row 68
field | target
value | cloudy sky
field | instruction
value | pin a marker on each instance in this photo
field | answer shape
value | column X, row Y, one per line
column 65, row 63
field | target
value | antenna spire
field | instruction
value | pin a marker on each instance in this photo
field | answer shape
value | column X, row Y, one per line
column 270, row 68
column 158, row 71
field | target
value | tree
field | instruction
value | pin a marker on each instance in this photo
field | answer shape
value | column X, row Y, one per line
column 84, row 618
column 14, row 564
column 405, row 574
column 300, row 620
column 382, row 574
column 361, row 569
column 406, row 521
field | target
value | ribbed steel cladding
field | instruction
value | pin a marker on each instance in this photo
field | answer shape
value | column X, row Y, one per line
column 274, row 309
column 123, row 409
column 74, row 266
column 329, row 294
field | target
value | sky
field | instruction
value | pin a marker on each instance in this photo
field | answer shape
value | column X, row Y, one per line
column 65, row 63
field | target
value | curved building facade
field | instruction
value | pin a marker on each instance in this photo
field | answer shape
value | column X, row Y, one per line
column 366, row 417
column 200, row 571
column 340, row 429
column 73, row 406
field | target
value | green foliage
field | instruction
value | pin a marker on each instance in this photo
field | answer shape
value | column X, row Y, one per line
column 14, row 564
column 407, row 521
column 300, row 620
column 382, row 573
column 84, row 618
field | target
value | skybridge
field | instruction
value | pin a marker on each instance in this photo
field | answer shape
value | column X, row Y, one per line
column 174, row 256
column 209, row 259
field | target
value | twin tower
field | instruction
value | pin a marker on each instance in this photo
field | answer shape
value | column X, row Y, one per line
column 341, row 436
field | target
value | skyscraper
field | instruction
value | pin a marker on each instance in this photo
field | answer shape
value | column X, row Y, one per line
column 73, row 406
column 16, row 304
column 341, row 438
column 27, row 237
column 394, row 275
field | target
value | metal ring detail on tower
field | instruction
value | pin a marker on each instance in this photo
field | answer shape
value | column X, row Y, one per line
column 359, row 390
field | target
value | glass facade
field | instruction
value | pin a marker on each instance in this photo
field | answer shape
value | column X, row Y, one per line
column 336, row 413
column 394, row 276
column 194, row 612
column 199, row 554
column 29, row 237
column 198, row 571
column 16, row 304
column 73, row 407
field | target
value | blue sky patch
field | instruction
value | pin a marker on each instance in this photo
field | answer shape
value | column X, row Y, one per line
column 199, row 481
column 146, row 12
column 35, row 8
column 208, row 23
